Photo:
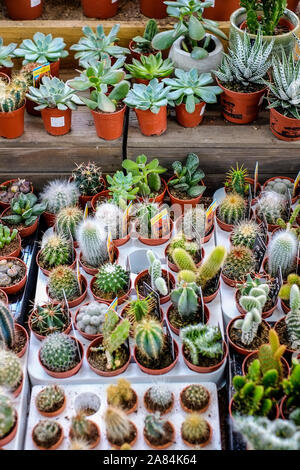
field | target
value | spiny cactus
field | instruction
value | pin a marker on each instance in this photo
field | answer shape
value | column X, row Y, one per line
column 285, row 289
column 196, row 397
column 7, row 235
column 59, row 352
column 281, row 186
column 120, row 395
column 161, row 396
column 46, row 433
column 81, row 427
column 7, row 330
column 202, row 340
column 111, row 279
column 155, row 426
column 282, row 253
column 12, row 94
column 270, row 354
column 185, row 297
column 249, row 325
column 245, row 233
column 118, row 426
column 50, row 398
column 149, row 338
column 195, row 429
column 155, row 271
column 232, row 209
column 56, row 251
column 49, row 318
column 180, row 241
column 186, row 276
column 79, row 444
column 292, row 319
column 58, row 194
column 272, row 205
column 239, row 262
column 256, row 298
column 183, row 260
column 88, row 176
column 140, row 308
column 249, row 398
column 111, row 216
column 92, row 240
column 67, row 221
column 10, row 370
column 7, row 415
column 91, row 317
column 62, row 279
column 236, row 180
column 211, row 266
column 194, row 218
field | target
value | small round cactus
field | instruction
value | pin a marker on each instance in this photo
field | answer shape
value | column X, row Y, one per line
column 239, row 262
column 111, row 279
column 120, row 395
column 155, row 428
column 46, row 433
column 195, row 430
column 195, row 397
column 149, row 338
column 56, row 252
column 280, row 186
column 232, row 209
column 59, row 194
column 119, row 429
column 87, row 177
column 10, row 370
column 50, row 399
column 67, row 221
column 62, row 279
column 160, row 398
column 91, row 317
column 7, row 415
column 59, row 353
column 245, row 233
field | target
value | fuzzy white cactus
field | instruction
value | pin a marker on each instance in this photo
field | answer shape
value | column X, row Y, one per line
column 111, row 216
column 92, row 240
column 58, row 194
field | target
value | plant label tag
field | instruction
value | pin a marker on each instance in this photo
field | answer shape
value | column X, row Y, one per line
column 78, row 276
column 264, row 228
column 255, row 178
column 276, row 286
column 35, row 3
column 57, row 121
column 137, row 260
column 126, row 218
column 289, row 205
column 39, row 72
column 296, row 183
column 210, row 212
column 113, row 305
column 86, row 211
column 259, row 251
column 170, row 341
column 149, row 291
column 202, row 110
column 110, row 247
column 67, row 307
column 160, row 224
column 249, row 202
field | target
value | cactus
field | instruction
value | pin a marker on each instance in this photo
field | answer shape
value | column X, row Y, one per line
column 255, row 298
column 120, row 395
column 295, row 298
column 292, row 319
column 269, row 355
column 180, row 241
column 240, row 261
column 272, row 206
column 88, row 176
column 111, row 279
column 10, row 370
column 161, row 396
column 58, row 194
column 196, row 397
column 7, row 415
column 232, row 209
column 12, row 94
column 92, row 240
column 249, row 325
column 7, row 235
column 59, row 353
column 155, row 427
column 145, row 211
column 282, row 253
column 49, row 318
column 50, row 398
column 186, row 276
column 202, row 340
column 249, row 398
column 81, row 427
column 62, row 279
column 46, row 433
column 155, row 271
column 291, row 386
column 149, row 338
column 281, row 186
column 195, row 429
column 118, row 426
column 111, row 217
column 285, row 290
column 185, row 297
column 183, row 260
column 7, row 330
column 194, row 219
column 57, row 251
column 91, row 317
column 140, row 308
column 67, row 221
column 211, row 266
column 245, row 233
column 236, row 180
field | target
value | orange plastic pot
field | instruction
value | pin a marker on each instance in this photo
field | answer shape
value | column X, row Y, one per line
column 222, row 10
column 57, row 122
column 4, row 294
column 240, row 108
column 94, row 271
column 19, row 285
column 209, row 298
column 68, row 373
column 11, row 435
column 12, row 123
column 162, row 446
column 238, row 349
column 49, row 218
column 150, row 123
column 186, row 119
column 26, row 231
column 109, row 126
column 21, row 328
column 172, row 282
column 163, row 371
column 206, row 370
column 245, row 364
column 103, row 373
column 104, row 194
column 24, row 9
column 153, row 8
column 292, row 4
column 284, row 306
column 6, row 71
column 102, row 9
column 52, row 414
column 182, row 202
column 283, row 127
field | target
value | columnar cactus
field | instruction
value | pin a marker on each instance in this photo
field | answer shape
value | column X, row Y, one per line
column 7, row 415
column 81, row 427
column 7, row 330
column 185, row 297
column 236, row 180
column 62, row 279
column 240, row 261
column 249, row 325
column 115, row 333
column 194, row 218
column 232, row 209
column 118, row 425
column 183, row 260
column 67, row 221
column 249, row 397
column 50, row 398
column 59, row 194
column 10, row 370
column 211, row 266
column 112, row 278
column 282, row 253
column 195, row 429
column 292, row 319
column 149, row 338
column 269, row 355
column 92, row 240
column 155, row 426
column 245, row 233
column 155, row 271
column 91, row 317
column 59, row 353
column 111, row 216
column 56, row 251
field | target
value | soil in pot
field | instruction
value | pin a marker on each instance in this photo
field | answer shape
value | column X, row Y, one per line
column 92, row 437
column 7, row 250
column 281, row 330
column 203, row 361
column 98, row 359
column 108, row 296
column 176, row 320
column 183, row 196
column 167, row 438
column 211, row 286
column 131, row 438
column 147, row 278
column 155, row 406
column 164, row 360
column 51, row 442
column 262, row 337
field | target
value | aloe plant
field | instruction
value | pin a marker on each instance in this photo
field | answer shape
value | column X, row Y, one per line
column 41, row 49
column 149, row 67
column 152, row 96
column 53, row 93
column 6, row 52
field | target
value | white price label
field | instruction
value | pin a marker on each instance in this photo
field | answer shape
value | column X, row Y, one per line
column 202, row 110
column 35, row 3
column 114, row 1
column 58, row 121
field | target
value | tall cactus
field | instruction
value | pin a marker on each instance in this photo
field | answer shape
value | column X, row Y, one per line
column 7, row 331
column 269, row 355
column 211, row 266
column 183, row 259
column 155, row 271
column 282, row 252
column 67, row 221
column 149, row 338
column 292, row 319
column 92, row 242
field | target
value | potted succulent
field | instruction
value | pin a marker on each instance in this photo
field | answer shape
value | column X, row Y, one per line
column 231, row 211
column 56, row 251
column 285, row 291
column 51, row 401
column 104, row 9
column 191, row 247
column 49, row 318
column 57, row 195
column 63, row 280
column 150, row 105
column 68, row 220
column 47, row 434
column 89, row 179
column 153, row 352
column 12, row 106
column 13, row 336
column 6, row 54
column 242, row 75
column 194, row 398
column 282, row 253
column 271, row 206
column 245, row 232
column 240, row 262
column 111, row 280
column 190, row 92
column 11, row 375
column 184, row 188
column 145, row 212
column 114, row 220
column 196, row 431
column 119, row 429
column 291, row 388
column 220, row 10
column 238, row 181
column 282, row 185
column 122, row 189
column 8, row 419
column 141, row 45
column 193, row 223
column 122, row 396
column 158, row 432
column 24, row 9
column 85, row 430
column 192, row 44
column 92, row 240
column 159, row 398
column 146, row 68
column 93, row 45
column 152, row 9
column 13, row 188
column 140, row 308
column 89, row 320
column 10, row 242
column 109, row 355
column 13, row 274
column 287, row 327
column 23, row 214
column 106, row 105
column 254, row 290
column 61, row 356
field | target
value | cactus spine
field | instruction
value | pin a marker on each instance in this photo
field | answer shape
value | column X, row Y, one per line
column 245, row 233
column 111, row 216
column 282, row 253
column 211, row 266
column 120, row 395
column 155, row 271
column 7, row 415
column 196, row 397
column 183, row 260
column 111, row 278
column 67, row 221
column 59, row 352
column 239, row 262
column 10, row 370
column 232, row 209
column 62, row 279
column 118, row 426
column 50, row 398
column 56, row 251
column 149, row 338
column 161, row 396
column 292, row 319
column 46, row 433
column 7, row 330
column 195, row 429
column 92, row 242
column 59, row 194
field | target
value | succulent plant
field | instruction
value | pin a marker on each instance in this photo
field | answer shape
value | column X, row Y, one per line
column 67, row 221
column 282, row 252
column 121, row 188
column 155, row 271
column 111, row 217
column 11, row 272
column 155, row 426
column 14, row 189
column 272, row 206
column 59, row 353
column 12, row 93
column 6, row 53
column 151, row 97
column 292, row 319
column 183, row 259
column 245, row 232
column 264, row 15
column 81, row 427
column 211, row 266
column 50, row 398
column 7, row 235
column 239, row 262
column 232, row 209
column 185, row 298
column 142, row 44
column 161, row 396
column 92, row 240
column 145, row 211
column 53, row 93
column 149, row 338
column 120, row 395
column 58, row 194
column 151, row 66
column 196, row 396
column 56, row 251
column 24, row 210
column 7, row 415
column 281, row 186
column 46, row 433
column 285, row 290
column 149, row 173
column 291, row 385
column 49, row 318
column 236, row 180
column 63, row 278
column 187, row 177
column 91, row 317
column 202, row 340
column 118, row 425
column 249, row 325
column 249, row 398
column 111, row 279
column 140, row 308
column 180, row 241
column 195, row 429
column 256, row 297
column 41, row 49
column 88, row 177
column 269, row 356
column 10, row 370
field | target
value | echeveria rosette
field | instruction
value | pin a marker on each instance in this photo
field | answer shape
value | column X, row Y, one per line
column 53, row 93
column 191, row 88
column 149, row 67
column 148, row 97
column 6, row 52
column 41, row 49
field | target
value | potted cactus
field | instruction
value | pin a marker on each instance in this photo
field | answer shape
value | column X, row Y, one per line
column 56, row 251
column 111, row 216
column 159, row 398
column 24, row 9
column 239, row 263
column 8, row 420
column 255, row 288
column 23, row 214
column 47, row 434
column 6, row 54
column 12, row 106
column 193, row 223
column 104, row 9
column 272, row 206
column 84, row 429
column 13, row 188
column 111, row 280
column 244, row 233
column 11, row 375
column 152, row 9
column 10, row 242
column 13, row 274
column 141, row 45
column 57, row 195
column 194, row 398
column 67, row 222
column 13, row 336
column 149, row 233
column 191, row 247
column 49, row 318
column 144, row 69
column 89, row 320
column 158, row 432
column 109, row 355
column 231, row 211
column 122, row 396
column 282, row 253
column 61, row 356
column 150, row 105
column 140, row 308
column 89, row 179
column 92, row 240
column 63, row 280
column 288, row 327
column 51, row 401
column 285, row 291
column 282, row 185
column 196, row 431
column 238, row 181
column 119, row 429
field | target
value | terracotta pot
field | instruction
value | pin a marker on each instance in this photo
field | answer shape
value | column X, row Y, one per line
column 52, row 414
column 176, row 330
column 231, row 410
column 221, row 10
column 102, row 10
column 159, row 198
column 78, row 300
column 283, row 127
column 82, row 333
column 54, row 68
column 173, row 266
column 21, row 328
column 4, row 294
column 292, row 4
column 45, row 271
column 57, row 122
column 103, row 373
column 150, row 123
column 188, row 410
column 161, row 412
column 137, row 55
column 15, row 253
column 243, row 312
column 284, row 306
column 121, row 241
column 49, row 218
column 109, row 126
column 163, row 371
column 206, row 370
column 30, row 105
column 163, row 299
column 282, row 408
column 230, row 282
column 209, row 298
column 104, row 194
column 182, row 202
column 41, row 337
column 19, row 285
column 130, row 443
column 6, row 205
column 295, row 198
column 253, row 354
column 153, row 9
column 68, row 373
column 187, row 443
column 11, row 435
column 24, row 9
column 54, row 446
column 6, row 71
column 224, row 226
column 238, row 349
column 121, row 299
column 186, row 119
column 240, row 108
column 157, row 241
column 163, row 446
column 26, row 231
column 288, row 350
column 94, row 271
column 12, row 123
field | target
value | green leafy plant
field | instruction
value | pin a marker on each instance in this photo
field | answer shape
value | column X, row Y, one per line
column 24, row 210
column 123, row 188
column 263, row 15
column 142, row 44
column 149, row 67
column 149, row 173
column 202, row 341
column 291, row 386
column 188, row 176
column 53, row 93
column 41, row 49
column 148, row 97
column 6, row 53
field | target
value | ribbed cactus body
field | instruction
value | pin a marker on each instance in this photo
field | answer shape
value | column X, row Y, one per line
column 10, row 369
column 197, row 396
column 63, row 278
column 187, row 276
column 7, row 331
column 118, row 426
column 282, row 253
column 88, row 178
column 183, row 259
column 239, row 262
column 245, row 233
column 67, row 221
column 59, row 194
column 7, row 415
column 59, row 352
column 111, row 217
column 111, row 278
column 46, row 432
column 185, row 297
column 92, row 240
column 56, row 251
column 155, row 271
column 211, row 266
column 195, row 429
column 160, row 395
column 232, row 209
column 292, row 319
column 149, row 338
